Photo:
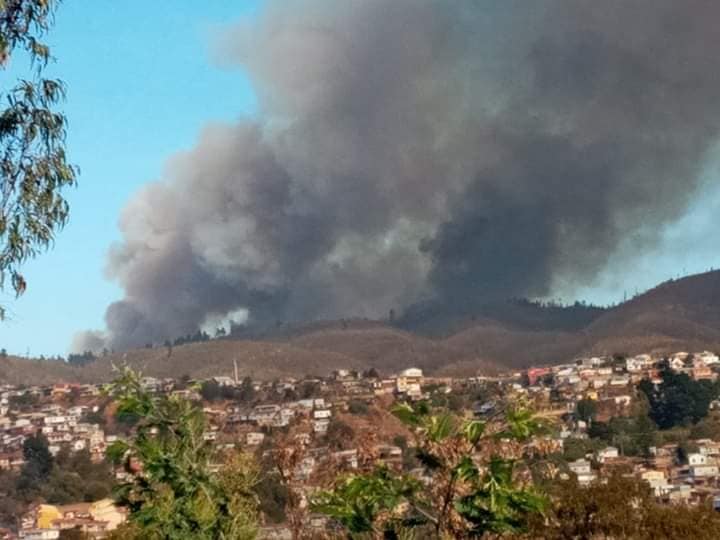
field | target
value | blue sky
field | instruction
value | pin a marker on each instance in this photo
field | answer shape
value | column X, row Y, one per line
column 141, row 84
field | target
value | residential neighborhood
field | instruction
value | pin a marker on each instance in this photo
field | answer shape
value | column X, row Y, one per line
column 334, row 417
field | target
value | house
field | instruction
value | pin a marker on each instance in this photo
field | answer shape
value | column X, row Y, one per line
column 708, row 358
column 5, row 460
column 383, row 387
column 341, row 374
column 264, row 414
column 704, row 471
column 708, row 447
column 78, row 445
column 607, row 453
column 224, row 381
column 389, row 453
column 409, row 382
column 703, row 373
column 320, row 426
column 107, row 511
column 347, row 458
column 536, row 374
column 77, row 411
column 657, row 481
column 679, row 493
column 95, row 518
column 322, row 414
column 151, row 384
column 634, row 364
column 254, row 438
column 304, row 404
column 677, row 362
column 583, row 471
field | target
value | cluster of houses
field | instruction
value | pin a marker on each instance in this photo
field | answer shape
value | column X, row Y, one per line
column 674, row 474
column 611, row 381
column 64, row 414
column 63, row 425
column 94, row 520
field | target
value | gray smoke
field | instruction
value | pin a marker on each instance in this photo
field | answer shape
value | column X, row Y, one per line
column 414, row 149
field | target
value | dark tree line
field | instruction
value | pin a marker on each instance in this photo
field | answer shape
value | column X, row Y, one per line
column 212, row 391
column 81, row 359
column 679, row 400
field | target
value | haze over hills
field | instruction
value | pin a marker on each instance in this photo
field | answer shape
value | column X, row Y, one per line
column 677, row 315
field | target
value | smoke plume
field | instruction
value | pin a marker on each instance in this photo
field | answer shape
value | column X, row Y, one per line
column 415, row 149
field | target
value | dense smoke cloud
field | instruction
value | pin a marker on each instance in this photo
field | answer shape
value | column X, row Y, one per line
column 414, row 149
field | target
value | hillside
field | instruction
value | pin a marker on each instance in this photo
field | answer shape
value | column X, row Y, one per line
column 314, row 353
column 685, row 308
column 388, row 349
column 676, row 315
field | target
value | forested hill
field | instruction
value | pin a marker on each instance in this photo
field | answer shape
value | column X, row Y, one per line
column 677, row 315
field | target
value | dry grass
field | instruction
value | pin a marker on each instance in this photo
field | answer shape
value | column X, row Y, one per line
column 680, row 315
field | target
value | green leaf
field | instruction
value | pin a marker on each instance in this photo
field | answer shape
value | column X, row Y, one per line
column 406, row 414
column 440, row 427
column 116, row 451
column 473, row 431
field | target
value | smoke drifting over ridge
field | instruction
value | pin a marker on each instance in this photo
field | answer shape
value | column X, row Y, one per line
column 410, row 149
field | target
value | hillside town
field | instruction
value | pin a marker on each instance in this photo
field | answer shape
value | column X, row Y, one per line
column 592, row 404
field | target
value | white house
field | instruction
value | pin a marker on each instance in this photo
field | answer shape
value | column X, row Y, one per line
column 709, row 358
column 320, row 426
column 607, row 453
column 409, row 381
column 704, row 471
column 321, row 414
column 582, row 469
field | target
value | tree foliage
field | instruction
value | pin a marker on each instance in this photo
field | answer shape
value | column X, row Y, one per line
column 37, row 468
column 620, row 507
column 213, row 391
column 68, row 477
column 632, row 435
column 33, row 166
column 586, row 410
column 471, row 485
column 174, row 492
column 679, row 400
column 369, row 503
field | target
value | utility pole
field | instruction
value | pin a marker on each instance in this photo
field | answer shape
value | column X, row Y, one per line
column 235, row 370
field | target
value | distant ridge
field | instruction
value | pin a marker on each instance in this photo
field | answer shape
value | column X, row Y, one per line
column 681, row 314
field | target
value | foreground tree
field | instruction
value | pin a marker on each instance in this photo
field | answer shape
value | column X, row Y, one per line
column 470, row 488
column 620, row 507
column 175, row 491
column 33, row 166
